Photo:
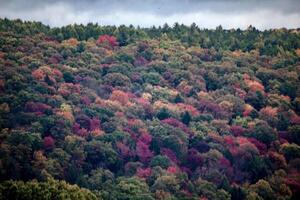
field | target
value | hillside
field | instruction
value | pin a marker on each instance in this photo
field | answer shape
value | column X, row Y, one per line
column 105, row 112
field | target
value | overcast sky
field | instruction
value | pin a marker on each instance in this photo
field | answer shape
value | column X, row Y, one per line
column 262, row 14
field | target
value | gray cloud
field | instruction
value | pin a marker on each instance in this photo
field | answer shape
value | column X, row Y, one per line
column 206, row 13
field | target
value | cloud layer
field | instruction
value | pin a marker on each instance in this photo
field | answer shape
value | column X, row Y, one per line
column 205, row 13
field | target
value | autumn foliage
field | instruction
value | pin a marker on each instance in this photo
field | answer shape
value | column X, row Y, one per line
column 149, row 113
column 107, row 41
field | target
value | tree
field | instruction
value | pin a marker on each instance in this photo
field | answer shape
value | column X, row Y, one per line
column 178, row 99
column 264, row 133
column 117, row 79
column 143, row 151
column 163, row 113
column 107, row 41
column 177, row 124
column 52, row 189
column 159, row 160
column 194, row 159
column 263, row 189
column 37, row 107
column 237, row 193
column 120, row 96
column 168, row 183
column 101, row 154
column 143, row 173
column 256, row 99
column 16, row 154
column 290, row 151
column 152, row 78
column 212, row 81
column 209, row 191
column 294, row 134
column 132, row 188
column 60, row 129
column 48, row 143
column 84, row 121
column 122, row 35
column 141, row 113
column 279, row 186
column 186, row 118
column 99, row 179
column 80, row 47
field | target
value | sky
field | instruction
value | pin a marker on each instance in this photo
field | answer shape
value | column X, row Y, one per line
column 263, row 14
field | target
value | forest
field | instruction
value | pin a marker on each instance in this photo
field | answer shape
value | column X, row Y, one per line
column 128, row 113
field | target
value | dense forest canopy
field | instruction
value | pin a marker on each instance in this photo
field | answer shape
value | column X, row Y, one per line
column 268, row 42
column 120, row 113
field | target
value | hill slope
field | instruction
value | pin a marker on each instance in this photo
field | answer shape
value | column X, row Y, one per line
column 145, row 113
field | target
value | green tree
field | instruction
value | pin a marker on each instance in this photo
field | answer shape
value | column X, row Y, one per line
column 186, row 118
column 263, row 189
column 52, row 189
column 161, row 161
column 132, row 189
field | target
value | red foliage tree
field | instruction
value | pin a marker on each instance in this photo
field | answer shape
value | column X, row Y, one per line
column 143, row 151
column 37, row 107
column 178, row 124
column 194, row 159
column 55, row 59
column 86, row 100
column 76, row 127
column 224, row 162
column 94, row 124
column 293, row 182
column 191, row 109
column 124, row 149
column 82, row 132
column 229, row 140
column 215, row 109
column 2, row 85
column 247, row 110
column 142, row 101
column 143, row 173
column 107, row 41
column 140, row 61
column 48, row 143
column 79, row 131
column 146, row 138
column 38, row 74
column 172, row 170
column 259, row 145
column 56, row 73
column 225, row 165
column 170, row 154
column 120, row 96
column 66, row 89
column 269, row 111
column 237, row 130
column 295, row 119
